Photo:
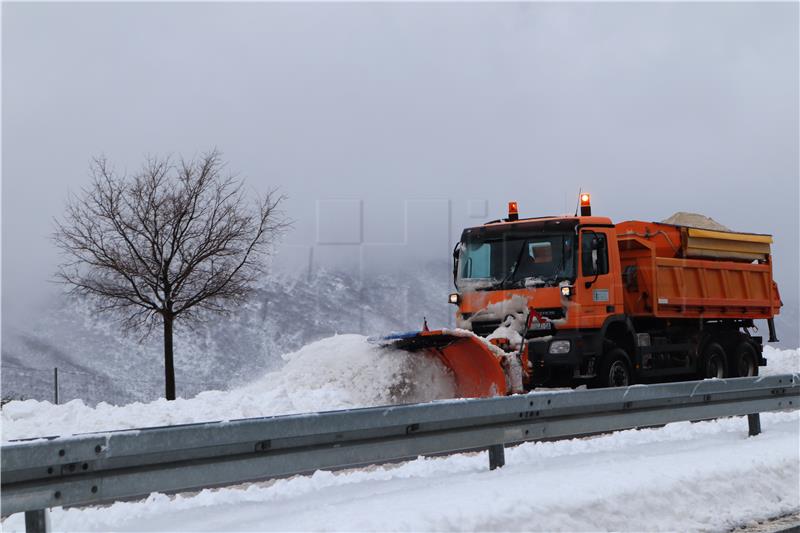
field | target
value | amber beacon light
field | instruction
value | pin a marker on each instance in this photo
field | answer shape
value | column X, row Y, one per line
column 586, row 205
column 513, row 211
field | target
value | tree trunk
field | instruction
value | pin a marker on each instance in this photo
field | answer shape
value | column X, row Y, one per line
column 169, row 367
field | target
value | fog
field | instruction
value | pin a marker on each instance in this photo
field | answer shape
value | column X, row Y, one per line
column 392, row 126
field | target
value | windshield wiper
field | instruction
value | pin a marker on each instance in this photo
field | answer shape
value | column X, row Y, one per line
column 516, row 266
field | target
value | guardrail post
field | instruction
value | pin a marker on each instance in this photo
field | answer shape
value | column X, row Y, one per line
column 754, row 421
column 497, row 456
column 37, row 521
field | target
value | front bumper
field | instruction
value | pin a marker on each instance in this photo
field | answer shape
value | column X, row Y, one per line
column 579, row 361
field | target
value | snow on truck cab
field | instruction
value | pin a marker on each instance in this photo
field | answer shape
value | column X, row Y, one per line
column 571, row 300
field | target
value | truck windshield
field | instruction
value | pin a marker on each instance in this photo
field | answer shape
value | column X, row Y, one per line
column 494, row 263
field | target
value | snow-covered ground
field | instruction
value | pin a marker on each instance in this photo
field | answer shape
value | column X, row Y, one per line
column 704, row 476
column 707, row 476
column 780, row 361
column 338, row 372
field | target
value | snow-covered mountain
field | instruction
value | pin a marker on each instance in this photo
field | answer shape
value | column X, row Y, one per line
column 97, row 362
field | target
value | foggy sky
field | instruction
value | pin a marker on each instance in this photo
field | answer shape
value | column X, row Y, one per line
column 408, row 116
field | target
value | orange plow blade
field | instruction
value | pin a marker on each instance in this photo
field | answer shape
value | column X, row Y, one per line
column 476, row 369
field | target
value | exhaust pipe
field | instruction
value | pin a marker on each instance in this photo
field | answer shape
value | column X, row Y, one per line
column 772, row 336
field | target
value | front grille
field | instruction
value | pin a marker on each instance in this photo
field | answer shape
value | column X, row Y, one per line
column 553, row 313
column 485, row 328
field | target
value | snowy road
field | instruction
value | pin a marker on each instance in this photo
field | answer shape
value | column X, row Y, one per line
column 706, row 476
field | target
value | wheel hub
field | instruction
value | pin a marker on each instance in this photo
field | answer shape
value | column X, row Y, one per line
column 618, row 374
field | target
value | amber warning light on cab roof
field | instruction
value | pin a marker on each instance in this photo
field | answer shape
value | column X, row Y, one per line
column 586, row 205
column 513, row 211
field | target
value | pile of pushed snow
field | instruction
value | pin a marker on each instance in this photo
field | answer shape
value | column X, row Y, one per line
column 780, row 361
column 339, row 372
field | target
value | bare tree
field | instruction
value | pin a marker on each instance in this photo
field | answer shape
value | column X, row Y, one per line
column 163, row 244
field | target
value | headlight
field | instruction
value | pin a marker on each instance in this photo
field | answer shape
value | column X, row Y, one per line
column 566, row 290
column 559, row 347
column 454, row 298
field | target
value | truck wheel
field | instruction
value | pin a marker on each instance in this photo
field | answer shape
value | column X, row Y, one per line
column 615, row 371
column 745, row 361
column 713, row 362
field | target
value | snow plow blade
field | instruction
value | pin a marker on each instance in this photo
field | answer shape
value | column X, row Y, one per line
column 476, row 369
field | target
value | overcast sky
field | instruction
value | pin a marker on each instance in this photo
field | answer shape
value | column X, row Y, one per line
column 407, row 117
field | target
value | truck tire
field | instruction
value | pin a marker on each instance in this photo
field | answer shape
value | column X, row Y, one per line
column 745, row 361
column 615, row 370
column 713, row 364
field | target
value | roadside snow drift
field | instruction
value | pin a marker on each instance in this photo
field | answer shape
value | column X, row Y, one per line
column 339, row 372
column 780, row 361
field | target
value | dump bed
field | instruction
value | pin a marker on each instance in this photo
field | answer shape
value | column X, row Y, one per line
column 673, row 271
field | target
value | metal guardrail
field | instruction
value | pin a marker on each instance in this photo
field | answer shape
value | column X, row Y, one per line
column 103, row 467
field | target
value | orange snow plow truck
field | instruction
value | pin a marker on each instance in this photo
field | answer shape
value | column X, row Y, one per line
column 563, row 301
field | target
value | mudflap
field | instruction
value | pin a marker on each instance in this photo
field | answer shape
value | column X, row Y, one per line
column 476, row 369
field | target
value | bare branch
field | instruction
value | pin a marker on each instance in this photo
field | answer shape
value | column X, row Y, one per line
column 168, row 239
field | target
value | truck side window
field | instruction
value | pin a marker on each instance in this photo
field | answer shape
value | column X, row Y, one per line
column 594, row 254
column 477, row 261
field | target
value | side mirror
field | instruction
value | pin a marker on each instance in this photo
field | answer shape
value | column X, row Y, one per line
column 591, row 259
column 456, row 249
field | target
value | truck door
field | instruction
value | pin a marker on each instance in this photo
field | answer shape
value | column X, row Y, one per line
column 597, row 280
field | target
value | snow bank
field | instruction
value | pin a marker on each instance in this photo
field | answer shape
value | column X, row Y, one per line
column 339, row 372
column 708, row 476
column 780, row 361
